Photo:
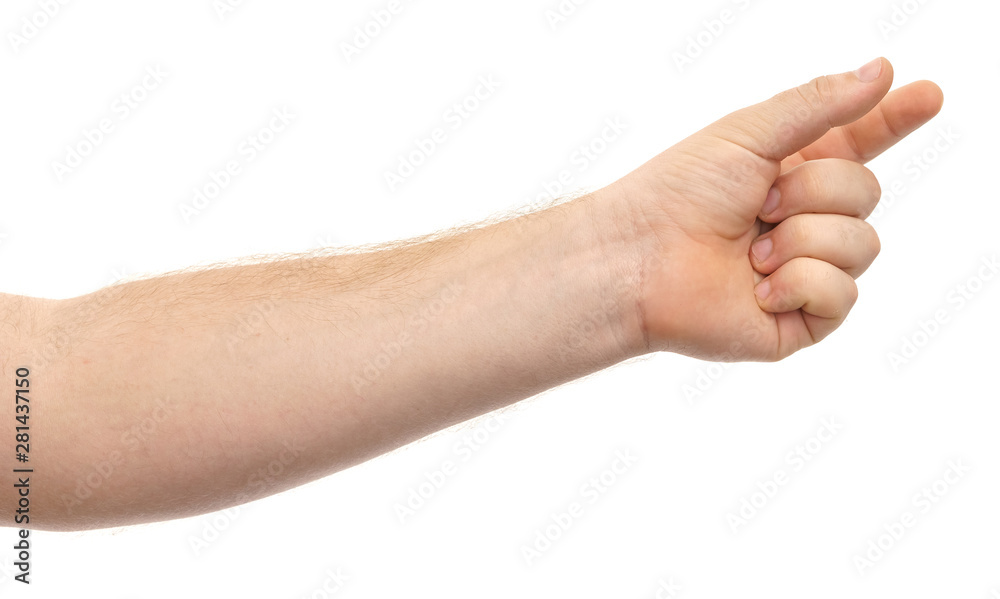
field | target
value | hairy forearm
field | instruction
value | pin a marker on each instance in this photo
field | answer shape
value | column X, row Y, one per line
column 171, row 396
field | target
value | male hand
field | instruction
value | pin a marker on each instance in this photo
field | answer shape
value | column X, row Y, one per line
column 753, row 229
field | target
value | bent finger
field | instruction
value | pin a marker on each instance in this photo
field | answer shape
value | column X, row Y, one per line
column 850, row 244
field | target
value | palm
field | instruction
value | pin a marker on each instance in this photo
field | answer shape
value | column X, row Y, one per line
column 701, row 293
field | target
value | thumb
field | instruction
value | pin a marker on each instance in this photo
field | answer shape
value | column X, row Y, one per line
column 777, row 128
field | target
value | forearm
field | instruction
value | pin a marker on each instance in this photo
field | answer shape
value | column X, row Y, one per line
column 191, row 384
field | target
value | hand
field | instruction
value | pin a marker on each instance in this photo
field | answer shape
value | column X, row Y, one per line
column 752, row 230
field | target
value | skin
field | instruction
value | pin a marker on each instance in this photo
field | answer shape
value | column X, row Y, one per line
column 194, row 391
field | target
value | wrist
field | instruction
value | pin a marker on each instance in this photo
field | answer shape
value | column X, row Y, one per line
column 612, row 239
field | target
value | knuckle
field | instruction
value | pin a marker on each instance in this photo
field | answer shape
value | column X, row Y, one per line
column 873, row 183
column 852, row 293
column 795, row 232
column 812, row 180
column 802, row 275
column 874, row 188
column 816, row 93
column 862, row 234
column 874, row 244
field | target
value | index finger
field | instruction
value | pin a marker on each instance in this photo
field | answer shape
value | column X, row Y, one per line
column 898, row 114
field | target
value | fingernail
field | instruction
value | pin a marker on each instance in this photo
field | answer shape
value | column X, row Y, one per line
column 762, row 249
column 763, row 289
column 870, row 71
column 771, row 201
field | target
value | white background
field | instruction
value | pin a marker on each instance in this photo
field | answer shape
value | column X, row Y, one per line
column 321, row 182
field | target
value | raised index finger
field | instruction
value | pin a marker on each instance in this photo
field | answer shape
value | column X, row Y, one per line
column 898, row 114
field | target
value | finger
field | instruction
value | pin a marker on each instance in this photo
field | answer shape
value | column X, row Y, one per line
column 793, row 119
column 833, row 186
column 823, row 292
column 900, row 113
column 848, row 243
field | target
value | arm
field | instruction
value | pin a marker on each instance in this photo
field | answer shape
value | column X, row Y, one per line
column 173, row 396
